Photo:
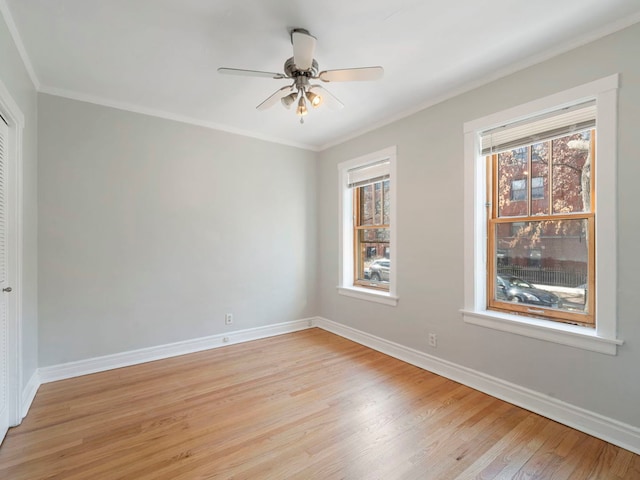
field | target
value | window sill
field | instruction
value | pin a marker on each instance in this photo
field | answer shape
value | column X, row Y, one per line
column 564, row 334
column 370, row 295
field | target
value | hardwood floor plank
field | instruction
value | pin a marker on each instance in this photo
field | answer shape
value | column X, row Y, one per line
column 470, row 441
column 307, row 405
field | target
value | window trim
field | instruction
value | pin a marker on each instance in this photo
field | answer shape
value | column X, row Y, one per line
column 346, row 228
column 603, row 338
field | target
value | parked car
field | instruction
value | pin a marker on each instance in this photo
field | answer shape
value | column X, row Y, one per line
column 378, row 271
column 514, row 289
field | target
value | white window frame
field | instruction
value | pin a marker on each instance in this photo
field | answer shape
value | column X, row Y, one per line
column 345, row 251
column 603, row 338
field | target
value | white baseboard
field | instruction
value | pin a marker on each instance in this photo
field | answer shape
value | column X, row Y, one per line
column 29, row 393
column 608, row 429
column 134, row 357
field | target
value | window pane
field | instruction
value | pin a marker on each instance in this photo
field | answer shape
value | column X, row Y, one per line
column 366, row 205
column 387, row 202
column 572, row 173
column 540, row 178
column 378, row 203
column 512, row 182
column 374, row 252
column 543, row 263
column 374, row 203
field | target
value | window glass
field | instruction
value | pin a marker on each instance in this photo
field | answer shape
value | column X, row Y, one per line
column 512, row 182
column 543, row 263
column 367, row 208
column 386, row 217
column 540, row 178
column 571, row 167
column 372, row 235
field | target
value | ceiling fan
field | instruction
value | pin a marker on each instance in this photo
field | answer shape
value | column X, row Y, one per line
column 301, row 69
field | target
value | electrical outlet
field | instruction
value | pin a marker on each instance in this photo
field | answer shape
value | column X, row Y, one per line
column 433, row 340
column 228, row 319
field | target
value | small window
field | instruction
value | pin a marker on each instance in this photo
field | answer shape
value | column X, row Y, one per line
column 372, row 235
column 367, row 225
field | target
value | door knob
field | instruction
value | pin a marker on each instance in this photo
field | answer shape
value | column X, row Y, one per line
column 7, row 289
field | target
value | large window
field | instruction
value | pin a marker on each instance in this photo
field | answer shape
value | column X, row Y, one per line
column 541, row 245
column 540, row 218
column 367, row 227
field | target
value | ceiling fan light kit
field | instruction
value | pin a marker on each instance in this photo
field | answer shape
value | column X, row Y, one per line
column 289, row 100
column 302, row 68
column 314, row 99
column 302, row 108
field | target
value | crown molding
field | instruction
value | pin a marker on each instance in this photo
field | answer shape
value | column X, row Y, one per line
column 17, row 39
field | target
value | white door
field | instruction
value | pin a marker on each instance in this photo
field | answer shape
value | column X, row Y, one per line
column 4, row 288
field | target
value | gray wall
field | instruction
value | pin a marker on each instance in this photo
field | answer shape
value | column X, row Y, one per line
column 430, row 244
column 151, row 230
column 17, row 81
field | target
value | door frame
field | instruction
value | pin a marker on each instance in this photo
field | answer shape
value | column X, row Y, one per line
column 14, row 238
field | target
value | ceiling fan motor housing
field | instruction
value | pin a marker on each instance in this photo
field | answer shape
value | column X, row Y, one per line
column 291, row 70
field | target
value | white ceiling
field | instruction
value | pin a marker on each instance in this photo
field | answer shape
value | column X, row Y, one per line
column 161, row 56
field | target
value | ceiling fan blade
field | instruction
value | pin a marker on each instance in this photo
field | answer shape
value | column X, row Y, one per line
column 304, row 46
column 250, row 73
column 327, row 97
column 352, row 74
column 273, row 99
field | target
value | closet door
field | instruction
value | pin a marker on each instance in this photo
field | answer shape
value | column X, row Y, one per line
column 5, row 289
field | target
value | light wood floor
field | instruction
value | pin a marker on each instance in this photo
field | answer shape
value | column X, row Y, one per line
column 307, row 405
